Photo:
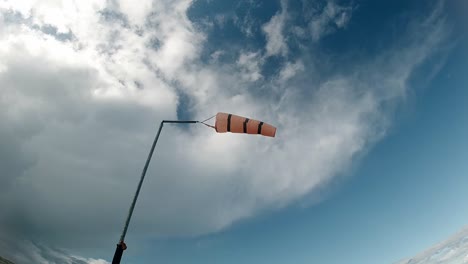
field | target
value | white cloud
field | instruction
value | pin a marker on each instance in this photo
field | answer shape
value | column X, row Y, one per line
column 96, row 261
column 180, row 43
column 77, row 118
column 136, row 13
column 276, row 42
column 215, row 55
column 290, row 70
column 250, row 64
column 332, row 17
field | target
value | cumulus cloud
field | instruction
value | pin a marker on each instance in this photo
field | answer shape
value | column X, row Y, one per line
column 78, row 116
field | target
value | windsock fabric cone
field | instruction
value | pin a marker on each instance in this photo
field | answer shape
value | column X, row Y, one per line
column 238, row 124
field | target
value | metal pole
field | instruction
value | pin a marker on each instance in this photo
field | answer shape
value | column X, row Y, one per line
column 121, row 245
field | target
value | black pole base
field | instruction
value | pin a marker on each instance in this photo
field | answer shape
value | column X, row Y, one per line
column 119, row 252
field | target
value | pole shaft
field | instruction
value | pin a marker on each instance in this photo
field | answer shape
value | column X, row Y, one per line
column 118, row 254
column 143, row 173
column 119, row 250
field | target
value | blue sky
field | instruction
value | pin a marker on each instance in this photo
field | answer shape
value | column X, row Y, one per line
column 368, row 165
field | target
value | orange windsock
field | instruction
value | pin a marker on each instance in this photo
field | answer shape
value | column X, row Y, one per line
column 238, row 124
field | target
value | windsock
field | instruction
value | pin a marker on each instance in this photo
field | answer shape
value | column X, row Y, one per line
column 237, row 124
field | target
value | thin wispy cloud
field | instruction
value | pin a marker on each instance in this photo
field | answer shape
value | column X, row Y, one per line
column 454, row 250
column 276, row 42
column 332, row 17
